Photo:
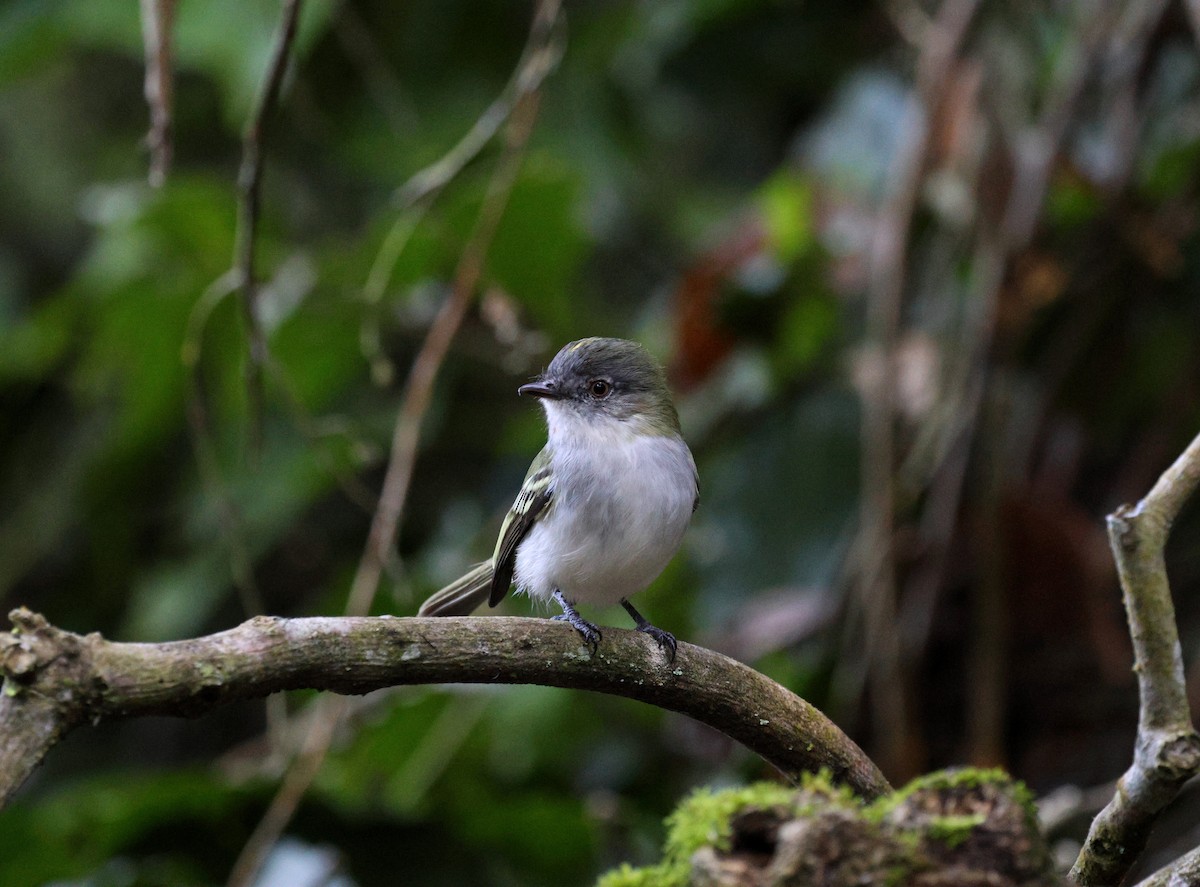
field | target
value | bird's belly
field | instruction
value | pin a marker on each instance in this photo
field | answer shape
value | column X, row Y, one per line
column 593, row 568
column 611, row 539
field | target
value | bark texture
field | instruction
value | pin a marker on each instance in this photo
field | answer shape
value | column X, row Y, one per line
column 55, row 681
column 1167, row 750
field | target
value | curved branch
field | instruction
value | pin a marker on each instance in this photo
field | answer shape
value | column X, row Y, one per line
column 1167, row 749
column 55, row 681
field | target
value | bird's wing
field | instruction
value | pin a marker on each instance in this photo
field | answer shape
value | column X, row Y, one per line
column 530, row 505
column 461, row 596
column 696, row 480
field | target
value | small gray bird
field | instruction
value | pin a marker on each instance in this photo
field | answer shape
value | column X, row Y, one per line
column 605, row 503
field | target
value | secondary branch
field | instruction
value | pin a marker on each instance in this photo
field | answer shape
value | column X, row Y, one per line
column 1167, row 751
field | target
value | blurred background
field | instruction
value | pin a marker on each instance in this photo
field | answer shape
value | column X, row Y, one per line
column 924, row 275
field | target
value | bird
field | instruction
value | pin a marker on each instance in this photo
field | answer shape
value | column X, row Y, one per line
column 604, row 505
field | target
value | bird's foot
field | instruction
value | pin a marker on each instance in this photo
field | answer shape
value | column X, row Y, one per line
column 591, row 634
column 666, row 640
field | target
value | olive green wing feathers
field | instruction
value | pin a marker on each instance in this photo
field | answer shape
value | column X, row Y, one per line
column 531, row 503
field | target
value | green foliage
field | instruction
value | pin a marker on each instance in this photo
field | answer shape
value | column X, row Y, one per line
column 75, row 830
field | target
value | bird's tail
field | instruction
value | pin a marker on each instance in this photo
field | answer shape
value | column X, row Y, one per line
column 461, row 596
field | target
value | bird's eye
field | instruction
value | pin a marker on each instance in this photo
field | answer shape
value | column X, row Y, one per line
column 599, row 388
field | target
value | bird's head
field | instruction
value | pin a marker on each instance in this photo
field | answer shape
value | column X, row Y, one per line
column 597, row 382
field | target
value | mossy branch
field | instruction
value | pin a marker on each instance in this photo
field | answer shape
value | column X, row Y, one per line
column 1167, row 749
column 55, row 681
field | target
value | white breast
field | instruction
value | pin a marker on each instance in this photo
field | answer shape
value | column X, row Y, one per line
column 620, row 506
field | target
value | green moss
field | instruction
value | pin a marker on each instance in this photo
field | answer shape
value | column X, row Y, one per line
column 964, row 777
column 702, row 820
column 650, row 876
column 953, row 830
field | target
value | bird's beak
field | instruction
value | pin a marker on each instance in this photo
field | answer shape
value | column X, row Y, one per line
column 540, row 389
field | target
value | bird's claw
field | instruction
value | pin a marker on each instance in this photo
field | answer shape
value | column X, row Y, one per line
column 590, row 633
column 666, row 640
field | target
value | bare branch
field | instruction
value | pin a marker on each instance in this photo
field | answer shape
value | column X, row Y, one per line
column 55, row 681
column 1167, row 751
column 249, row 202
column 1184, row 870
column 158, row 18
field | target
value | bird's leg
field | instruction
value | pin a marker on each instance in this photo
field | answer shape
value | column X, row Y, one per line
column 665, row 639
column 591, row 634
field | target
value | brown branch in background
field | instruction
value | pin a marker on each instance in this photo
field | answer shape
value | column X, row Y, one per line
column 55, row 681
column 1167, row 749
column 158, row 19
column 941, row 458
column 406, row 431
column 249, row 205
column 877, row 571
column 1112, row 34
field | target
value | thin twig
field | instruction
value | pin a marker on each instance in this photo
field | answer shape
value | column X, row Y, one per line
column 381, row 82
column 158, row 18
column 204, row 446
column 541, row 54
column 1167, row 749
column 249, row 206
column 877, row 575
column 405, row 438
column 314, row 430
column 296, row 781
column 56, row 681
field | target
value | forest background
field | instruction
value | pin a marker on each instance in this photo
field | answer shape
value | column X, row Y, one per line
column 924, row 277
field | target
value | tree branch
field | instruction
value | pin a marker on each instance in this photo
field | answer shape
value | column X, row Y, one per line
column 55, row 681
column 1184, row 870
column 1167, row 750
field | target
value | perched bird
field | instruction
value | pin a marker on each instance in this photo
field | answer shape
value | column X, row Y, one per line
column 605, row 503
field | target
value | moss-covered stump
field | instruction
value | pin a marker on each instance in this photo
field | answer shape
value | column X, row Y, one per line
column 952, row 829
